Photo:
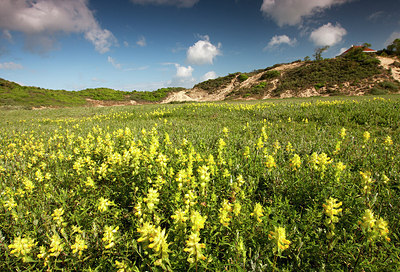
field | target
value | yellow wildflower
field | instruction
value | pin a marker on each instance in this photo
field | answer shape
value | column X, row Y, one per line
column 103, row 204
column 270, row 162
column 295, row 162
column 57, row 216
column 109, row 236
column 22, row 247
column 366, row 136
column 197, row 221
column 368, row 220
column 258, row 212
column 342, row 133
column 179, row 217
column 145, row 232
column 79, row 245
column 279, row 237
column 194, row 248
column 56, row 246
column 331, row 209
column 224, row 215
column 388, row 141
column 152, row 199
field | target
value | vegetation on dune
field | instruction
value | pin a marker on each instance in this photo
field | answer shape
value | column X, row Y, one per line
column 103, row 94
column 296, row 185
column 153, row 96
column 331, row 73
column 212, row 85
column 13, row 94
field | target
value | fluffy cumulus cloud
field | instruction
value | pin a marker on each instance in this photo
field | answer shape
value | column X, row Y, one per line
column 184, row 72
column 278, row 40
column 178, row 3
column 292, row 12
column 203, row 52
column 183, row 77
column 328, row 35
column 209, row 75
column 114, row 62
column 142, row 41
column 41, row 20
column 10, row 66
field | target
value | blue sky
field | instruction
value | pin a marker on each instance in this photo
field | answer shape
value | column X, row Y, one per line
column 149, row 44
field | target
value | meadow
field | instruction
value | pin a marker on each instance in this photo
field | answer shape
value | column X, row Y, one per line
column 279, row 185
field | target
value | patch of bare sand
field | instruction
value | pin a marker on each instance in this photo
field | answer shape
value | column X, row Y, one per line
column 386, row 63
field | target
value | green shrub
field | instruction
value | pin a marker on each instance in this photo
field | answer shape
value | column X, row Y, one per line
column 243, row 77
column 377, row 91
column 217, row 83
column 390, row 86
column 270, row 75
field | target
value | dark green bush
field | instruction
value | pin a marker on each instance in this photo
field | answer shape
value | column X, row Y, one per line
column 243, row 77
column 377, row 91
column 390, row 86
column 270, row 75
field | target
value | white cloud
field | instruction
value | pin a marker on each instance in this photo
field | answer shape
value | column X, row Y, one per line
column 178, row 3
column 292, row 12
column 10, row 66
column 278, row 40
column 45, row 18
column 114, row 62
column 183, row 77
column 126, row 44
column 392, row 37
column 142, row 41
column 203, row 52
column 209, row 75
column 183, row 72
column 328, row 35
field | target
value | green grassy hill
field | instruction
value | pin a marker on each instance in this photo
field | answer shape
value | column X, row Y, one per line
column 15, row 95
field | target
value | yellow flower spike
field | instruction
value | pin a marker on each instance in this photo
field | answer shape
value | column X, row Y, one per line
column 57, row 216
column 152, row 199
column 331, row 209
column 368, row 220
column 388, row 141
column 295, row 162
column 270, row 162
column 21, row 247
column 56, row 246
column 104, row 204
column 258, row 212
column 194, row 248
column 343, row 133
column 179, row 217
column 382, row 229
column 225, row 211
column 279, row 237
column 197, row 221
column 225, row 131
column 158, row 239
column 366, row 136
column 79, row 246
column 146, row 231
column 109, row 236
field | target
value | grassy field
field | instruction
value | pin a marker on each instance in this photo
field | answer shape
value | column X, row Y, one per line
column 279, row 185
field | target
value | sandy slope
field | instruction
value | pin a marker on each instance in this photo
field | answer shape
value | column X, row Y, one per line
column 386, row 62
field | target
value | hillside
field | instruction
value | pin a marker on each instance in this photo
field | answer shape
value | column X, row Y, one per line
column 355, row 74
